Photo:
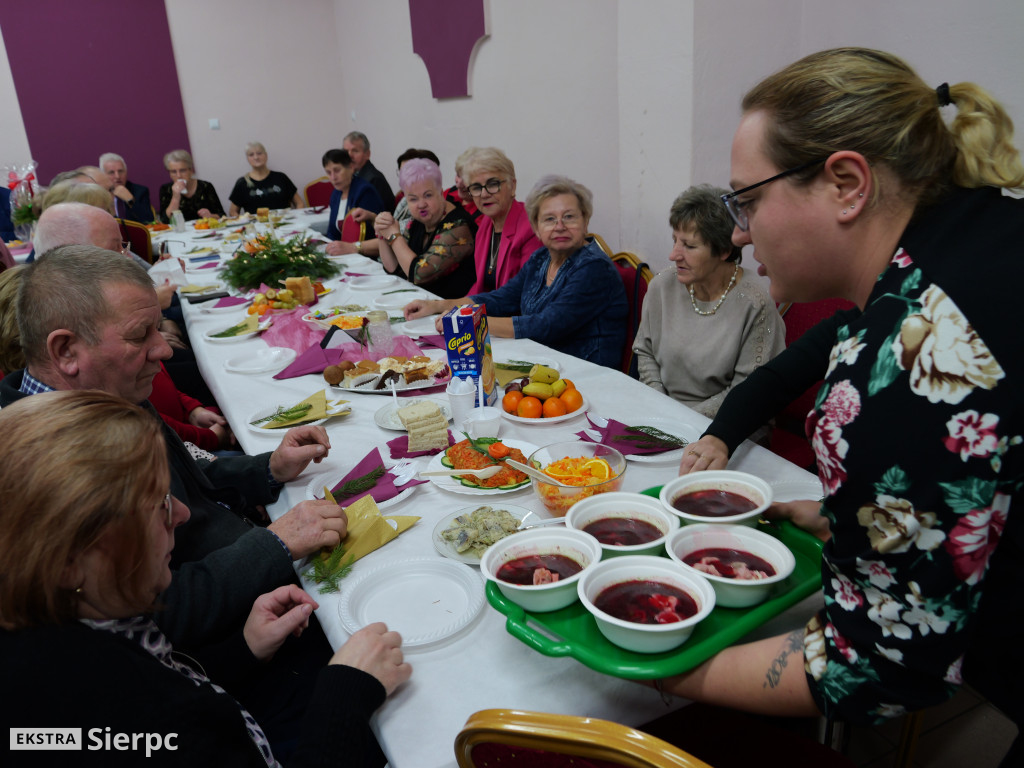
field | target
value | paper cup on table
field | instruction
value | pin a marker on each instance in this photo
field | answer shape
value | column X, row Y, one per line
column 462, row 398
column 483, row 422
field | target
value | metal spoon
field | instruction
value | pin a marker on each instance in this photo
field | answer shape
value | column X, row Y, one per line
column 536, row 474
column 483, row 473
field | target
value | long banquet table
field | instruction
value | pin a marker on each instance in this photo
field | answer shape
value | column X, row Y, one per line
column 483, row 666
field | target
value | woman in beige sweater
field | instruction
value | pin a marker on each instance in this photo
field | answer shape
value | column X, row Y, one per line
column 706, row 323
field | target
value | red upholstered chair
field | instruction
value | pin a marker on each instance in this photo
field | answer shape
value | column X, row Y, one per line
column 318, row 192
column 635, row 276
column 138, row 236
column 508, row 738
column 352, row 231
column 788, row 438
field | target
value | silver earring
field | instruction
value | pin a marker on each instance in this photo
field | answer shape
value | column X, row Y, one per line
column 852, row 206
column 844, row 211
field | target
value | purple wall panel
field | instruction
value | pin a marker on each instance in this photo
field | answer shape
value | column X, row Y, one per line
column 94, row 77
column 444, row 33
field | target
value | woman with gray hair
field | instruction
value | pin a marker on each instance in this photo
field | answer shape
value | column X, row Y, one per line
column 568, row 295
column 195, row 198
column 262, row 187
column 706, row 324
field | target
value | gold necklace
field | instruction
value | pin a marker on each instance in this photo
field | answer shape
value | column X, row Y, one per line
column 693, row 299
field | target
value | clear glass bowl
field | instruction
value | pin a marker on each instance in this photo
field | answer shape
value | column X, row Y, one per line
column 557, row 499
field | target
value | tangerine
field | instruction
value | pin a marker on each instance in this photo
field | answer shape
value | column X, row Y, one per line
column 572, row 400
column 553, row 407
column 568, row 384
column 529, row 408
column 510, row 402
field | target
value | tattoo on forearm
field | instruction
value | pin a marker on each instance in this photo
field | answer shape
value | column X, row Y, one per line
column 794, row 643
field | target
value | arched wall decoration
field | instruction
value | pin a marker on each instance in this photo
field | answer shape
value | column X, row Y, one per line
column 444, row 35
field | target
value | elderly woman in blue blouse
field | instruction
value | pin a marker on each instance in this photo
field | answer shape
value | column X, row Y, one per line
column 706, row 323
column 568, row 295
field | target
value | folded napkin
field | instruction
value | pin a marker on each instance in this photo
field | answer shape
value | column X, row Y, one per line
column 211, row 265
column 368, row 529
column 382, row 489
column 318, row 410
column 400, row 448
column 232, row 301
column 291, row 331
column 433, row 341
column 627, row 439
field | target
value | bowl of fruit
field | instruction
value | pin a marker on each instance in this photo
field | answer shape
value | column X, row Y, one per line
column 583, row 469
column 542, row 396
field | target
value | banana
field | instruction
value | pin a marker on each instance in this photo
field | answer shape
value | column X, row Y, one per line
column 542, row 374
column 538, row 389
column 558, row 387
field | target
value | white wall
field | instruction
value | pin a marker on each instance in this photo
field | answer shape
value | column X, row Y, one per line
column 268, row 70
column 14, row 149
column 637, row 99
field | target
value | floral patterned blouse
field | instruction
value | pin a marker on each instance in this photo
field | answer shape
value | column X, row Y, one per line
column 917, row 431
column 444, row 262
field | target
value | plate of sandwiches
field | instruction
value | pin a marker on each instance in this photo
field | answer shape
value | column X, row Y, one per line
column 406, row 373
column 387, row 417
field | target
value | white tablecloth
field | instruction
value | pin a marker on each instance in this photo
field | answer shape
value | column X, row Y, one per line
column 484, row 667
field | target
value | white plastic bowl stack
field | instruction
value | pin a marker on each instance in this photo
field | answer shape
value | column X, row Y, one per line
column 741, row 483
column 734, row 593
column 644, row 638
column 540, row 598
column 627, row 505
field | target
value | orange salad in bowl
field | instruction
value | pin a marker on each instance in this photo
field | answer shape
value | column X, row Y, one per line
column 587, row 468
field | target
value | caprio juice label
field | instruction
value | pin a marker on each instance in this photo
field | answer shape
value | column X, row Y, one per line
column 469, row 347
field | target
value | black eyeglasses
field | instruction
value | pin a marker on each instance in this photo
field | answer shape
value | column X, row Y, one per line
column 493, row 186
column 738, row 208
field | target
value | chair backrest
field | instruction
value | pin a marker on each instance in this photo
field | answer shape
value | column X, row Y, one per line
column 352, row 231
column 788, row 438
column 602, row 244
column 318, row 192
column 635, row 275
column 508, row 738
column 138, row 236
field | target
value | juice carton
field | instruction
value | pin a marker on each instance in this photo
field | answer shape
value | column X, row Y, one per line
column 469, row 347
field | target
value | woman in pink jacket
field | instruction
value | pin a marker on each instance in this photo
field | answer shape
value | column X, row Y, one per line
column 505, row 239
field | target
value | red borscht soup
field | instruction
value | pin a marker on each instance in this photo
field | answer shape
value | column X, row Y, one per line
column 646, row 602
column 730, row 564
column 622, row 531
column 713, row 503
column 538, row 569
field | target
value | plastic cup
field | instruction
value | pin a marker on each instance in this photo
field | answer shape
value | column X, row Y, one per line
column 483, row 422
column 462, row 398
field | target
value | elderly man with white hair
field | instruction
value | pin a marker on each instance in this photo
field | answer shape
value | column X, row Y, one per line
column 131, row 200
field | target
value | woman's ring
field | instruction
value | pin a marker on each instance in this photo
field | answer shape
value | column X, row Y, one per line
column 694, row 453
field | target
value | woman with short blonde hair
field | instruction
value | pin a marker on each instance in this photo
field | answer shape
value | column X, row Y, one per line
column 262, row 187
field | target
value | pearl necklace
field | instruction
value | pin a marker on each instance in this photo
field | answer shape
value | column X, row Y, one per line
column 693, row 299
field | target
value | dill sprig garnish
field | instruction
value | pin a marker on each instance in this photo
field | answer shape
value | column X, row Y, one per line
column 328, row 571
column 359, row 484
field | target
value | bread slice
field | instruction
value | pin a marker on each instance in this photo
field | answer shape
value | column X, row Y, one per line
column 426, row 425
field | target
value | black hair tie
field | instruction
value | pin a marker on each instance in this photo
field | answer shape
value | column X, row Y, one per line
column 943, row 93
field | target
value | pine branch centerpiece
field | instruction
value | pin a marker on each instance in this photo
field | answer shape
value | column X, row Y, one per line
column 268, row 260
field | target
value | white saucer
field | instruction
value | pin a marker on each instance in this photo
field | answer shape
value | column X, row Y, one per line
column 261, row 361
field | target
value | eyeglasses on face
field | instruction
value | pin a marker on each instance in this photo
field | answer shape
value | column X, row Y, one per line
column 126, row 248
column 567, row 220
column 492, row 186
column 168, row 507
column 738, row 208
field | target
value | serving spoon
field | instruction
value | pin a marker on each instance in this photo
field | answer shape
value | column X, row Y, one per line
column 483, row 473
column 536, row 474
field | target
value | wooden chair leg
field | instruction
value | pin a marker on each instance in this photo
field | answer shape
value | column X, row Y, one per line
column 908, row 740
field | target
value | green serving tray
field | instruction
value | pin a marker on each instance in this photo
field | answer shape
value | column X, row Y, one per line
column 573, row 632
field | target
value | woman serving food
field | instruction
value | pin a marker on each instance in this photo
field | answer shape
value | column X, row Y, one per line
column 706, row 323
column 849, row 183
column 568, row 295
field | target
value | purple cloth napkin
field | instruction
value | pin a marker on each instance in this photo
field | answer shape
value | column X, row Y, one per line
column 232, row 301
column 211, row 265
column 383, row 490
column 400, row 448
column 433, row 341
column 612, row 437
column 352, row 274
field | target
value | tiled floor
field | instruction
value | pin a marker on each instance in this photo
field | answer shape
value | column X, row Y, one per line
column 965, row 731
